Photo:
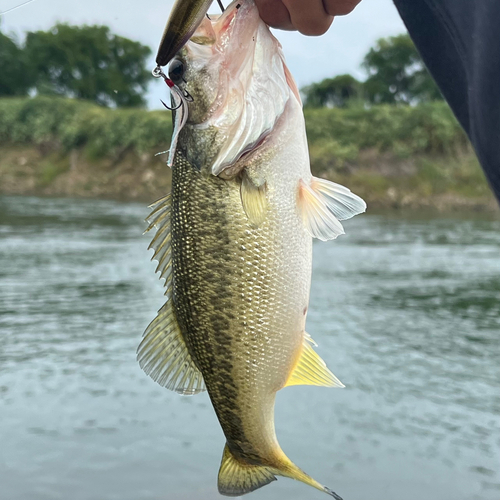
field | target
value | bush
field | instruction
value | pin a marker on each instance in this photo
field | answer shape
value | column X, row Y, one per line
column 428, row 128
column 386, row 154
column 336, row 136
column 69, row 123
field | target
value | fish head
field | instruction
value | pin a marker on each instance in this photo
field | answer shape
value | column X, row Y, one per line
column 234, row 71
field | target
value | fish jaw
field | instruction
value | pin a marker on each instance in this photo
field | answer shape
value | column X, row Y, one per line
column 240, row 85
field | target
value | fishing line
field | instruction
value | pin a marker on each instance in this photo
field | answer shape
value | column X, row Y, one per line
column 16, row 7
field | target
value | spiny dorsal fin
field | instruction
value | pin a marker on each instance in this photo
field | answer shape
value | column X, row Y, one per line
column 253, row 199
column 163, row 354
column 237, row 478
column 311, row 369
column 323, row 204
column 160, row 218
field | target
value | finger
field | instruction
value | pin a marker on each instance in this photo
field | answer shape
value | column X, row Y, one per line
column 309, row 17
column 340, row 7
column 275, row 14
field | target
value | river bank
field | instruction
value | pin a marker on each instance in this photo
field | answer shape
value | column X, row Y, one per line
column 394, row 157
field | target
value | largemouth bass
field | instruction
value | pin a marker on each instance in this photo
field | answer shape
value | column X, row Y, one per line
column 234, row 244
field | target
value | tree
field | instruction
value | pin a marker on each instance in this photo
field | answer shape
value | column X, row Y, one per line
column 397, row 73
column 88, row 62
column 14, row 79
column 332, row 92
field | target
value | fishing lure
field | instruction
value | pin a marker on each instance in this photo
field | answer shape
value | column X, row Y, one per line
column 183, row 21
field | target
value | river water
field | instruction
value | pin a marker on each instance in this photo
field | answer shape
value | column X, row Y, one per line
column 406, row 312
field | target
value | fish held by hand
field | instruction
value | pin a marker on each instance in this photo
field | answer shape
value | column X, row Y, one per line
column 234, row 244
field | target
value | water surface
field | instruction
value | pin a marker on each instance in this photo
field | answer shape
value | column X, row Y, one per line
column 406, row 311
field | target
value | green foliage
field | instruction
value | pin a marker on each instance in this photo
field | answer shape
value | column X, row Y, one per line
column 50, row 169
column 14, row 79
column 334, row 134
column 429, row 128
column 411, row 152
column 88, row 62
column 69, row 123
column 332, row 92
column 397, row 73
column 327, row 155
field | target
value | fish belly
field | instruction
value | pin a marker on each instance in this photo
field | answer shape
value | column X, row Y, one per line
column 240, row 295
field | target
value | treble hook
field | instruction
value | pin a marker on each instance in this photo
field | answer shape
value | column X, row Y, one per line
column 169, row 108
column 158, row 73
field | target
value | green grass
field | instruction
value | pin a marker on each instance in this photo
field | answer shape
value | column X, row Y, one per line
column 416, row 151
column 65, row 124
column 335, row 135
column 52, row 167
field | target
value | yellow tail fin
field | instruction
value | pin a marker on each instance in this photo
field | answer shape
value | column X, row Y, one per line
column 288, row 469
column 237, row 477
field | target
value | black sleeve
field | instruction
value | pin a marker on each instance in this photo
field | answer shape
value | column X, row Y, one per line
column 459, row 41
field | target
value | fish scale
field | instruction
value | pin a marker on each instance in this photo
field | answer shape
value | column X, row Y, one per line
column 226, row 282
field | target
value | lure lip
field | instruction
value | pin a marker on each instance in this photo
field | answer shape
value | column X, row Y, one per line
column 185, row 13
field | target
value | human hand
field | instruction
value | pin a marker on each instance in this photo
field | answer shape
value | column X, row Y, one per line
column 310, row 17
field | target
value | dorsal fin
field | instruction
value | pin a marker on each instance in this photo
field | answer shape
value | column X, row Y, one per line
column 163, row 353
column 311, row 369
column 323, row 203
column 160, row 219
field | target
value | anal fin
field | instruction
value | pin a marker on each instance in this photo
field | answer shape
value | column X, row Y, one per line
column 237, row 478
column 311, row 369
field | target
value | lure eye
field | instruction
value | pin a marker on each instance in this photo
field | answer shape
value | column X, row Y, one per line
column 176, row 70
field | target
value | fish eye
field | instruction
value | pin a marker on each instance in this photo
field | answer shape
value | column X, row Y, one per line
column 176, row 70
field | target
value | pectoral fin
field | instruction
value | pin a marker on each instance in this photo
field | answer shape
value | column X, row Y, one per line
column 323, row 204
column 311, row 369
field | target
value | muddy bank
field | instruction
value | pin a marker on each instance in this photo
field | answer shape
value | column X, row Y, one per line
column 383, row 183
column 30, row 171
